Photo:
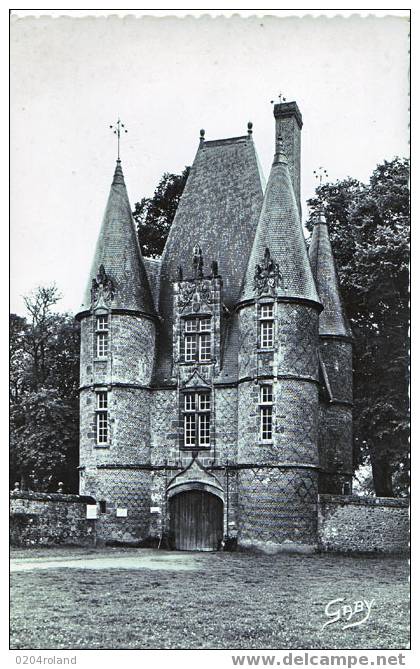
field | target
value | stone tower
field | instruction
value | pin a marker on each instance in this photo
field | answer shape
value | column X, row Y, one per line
column 335, row 355
column 278, row 373
column 117, row 321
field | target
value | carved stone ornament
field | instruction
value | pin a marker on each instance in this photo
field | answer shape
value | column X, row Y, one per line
column 103, row 290
column 197, row 262
column 186, row 293
column 267, row 276
column 196, row 292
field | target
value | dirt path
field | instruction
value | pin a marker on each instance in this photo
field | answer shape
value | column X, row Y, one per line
column 154, row 560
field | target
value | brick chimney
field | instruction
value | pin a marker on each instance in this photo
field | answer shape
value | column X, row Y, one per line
column 288, row 125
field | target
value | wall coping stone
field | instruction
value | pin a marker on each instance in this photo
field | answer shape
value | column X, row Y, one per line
column 358, row 500
column 51, row 497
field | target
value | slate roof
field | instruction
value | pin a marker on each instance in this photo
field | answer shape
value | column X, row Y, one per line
column 152, row 266
column 280, row 230
column 218, row 211
column 333, row 319
column 118, row 250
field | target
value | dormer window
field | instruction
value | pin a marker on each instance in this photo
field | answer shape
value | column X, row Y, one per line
column 197, row 339
column 102, row 333
column 266, row 319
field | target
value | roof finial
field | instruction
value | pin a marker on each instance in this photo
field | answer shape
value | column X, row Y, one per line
column 117, row 129
column 202, row 133
column 250, row 128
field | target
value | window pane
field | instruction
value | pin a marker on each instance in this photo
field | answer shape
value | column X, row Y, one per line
column 266, row 311
column 191, row 325
column 266, row 394
column 102, row 344
column 205, row 324
column 102, row 427
column 189, row 401
column 267, row 331
column 204, row 401
column 204, row 429
column 266, row 423
column 190, row 347
column 102, row 323
column 102, row 400
column 205, row 347
column 189, row 429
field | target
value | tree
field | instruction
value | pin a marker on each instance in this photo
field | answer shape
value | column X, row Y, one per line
column 39, row 330
column 45, row 441
column 154, row 215
column 369, row 228
column 17, row 367
column 44, row 378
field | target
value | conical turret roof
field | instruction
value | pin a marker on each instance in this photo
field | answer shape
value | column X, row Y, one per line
column 118, row 255
column 332, row 320
column 280, row 231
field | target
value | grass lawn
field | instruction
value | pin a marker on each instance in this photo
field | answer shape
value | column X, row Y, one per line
column 230, row 600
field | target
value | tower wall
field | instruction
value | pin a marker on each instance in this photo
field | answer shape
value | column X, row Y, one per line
column 126, row 490
column 336, row 429
column 131, row 351
column 278, row 481
column 117, row 474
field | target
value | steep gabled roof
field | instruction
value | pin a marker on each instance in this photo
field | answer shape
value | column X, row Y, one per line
column 218, row 211
column 117, row 249
column 333, row 320
column 280, row 231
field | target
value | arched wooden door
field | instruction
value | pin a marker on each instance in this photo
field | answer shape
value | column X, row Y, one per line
column 196, row 521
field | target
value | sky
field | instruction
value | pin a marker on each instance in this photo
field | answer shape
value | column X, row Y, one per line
column 166, row 78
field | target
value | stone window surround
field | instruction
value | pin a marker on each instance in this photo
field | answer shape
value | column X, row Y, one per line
column 102, row 335
column 266, row 412
column 198, row 334
column 100, row 413
column 209, row 411
column 262, row 319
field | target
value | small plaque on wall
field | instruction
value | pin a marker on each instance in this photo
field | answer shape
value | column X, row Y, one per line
column 155, row 509
column 121, row 513
column 91, row 511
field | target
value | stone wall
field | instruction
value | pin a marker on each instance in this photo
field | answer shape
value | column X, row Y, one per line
column 277, row 509
column 123, row 496
column 46, row 519
column 351, row 524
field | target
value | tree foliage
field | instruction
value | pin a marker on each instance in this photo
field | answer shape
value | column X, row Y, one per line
column 44, row 373
column 369, row 228
column 154, row 215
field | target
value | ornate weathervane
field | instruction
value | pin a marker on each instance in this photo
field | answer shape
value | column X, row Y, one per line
column 281, row 98
column 320, row 174
column 117, row 129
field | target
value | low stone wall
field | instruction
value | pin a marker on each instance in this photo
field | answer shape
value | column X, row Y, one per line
column 47, row 519
column 351, row 524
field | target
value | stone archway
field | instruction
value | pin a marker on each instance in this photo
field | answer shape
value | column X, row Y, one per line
column 196, row 520
column 195, row 510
